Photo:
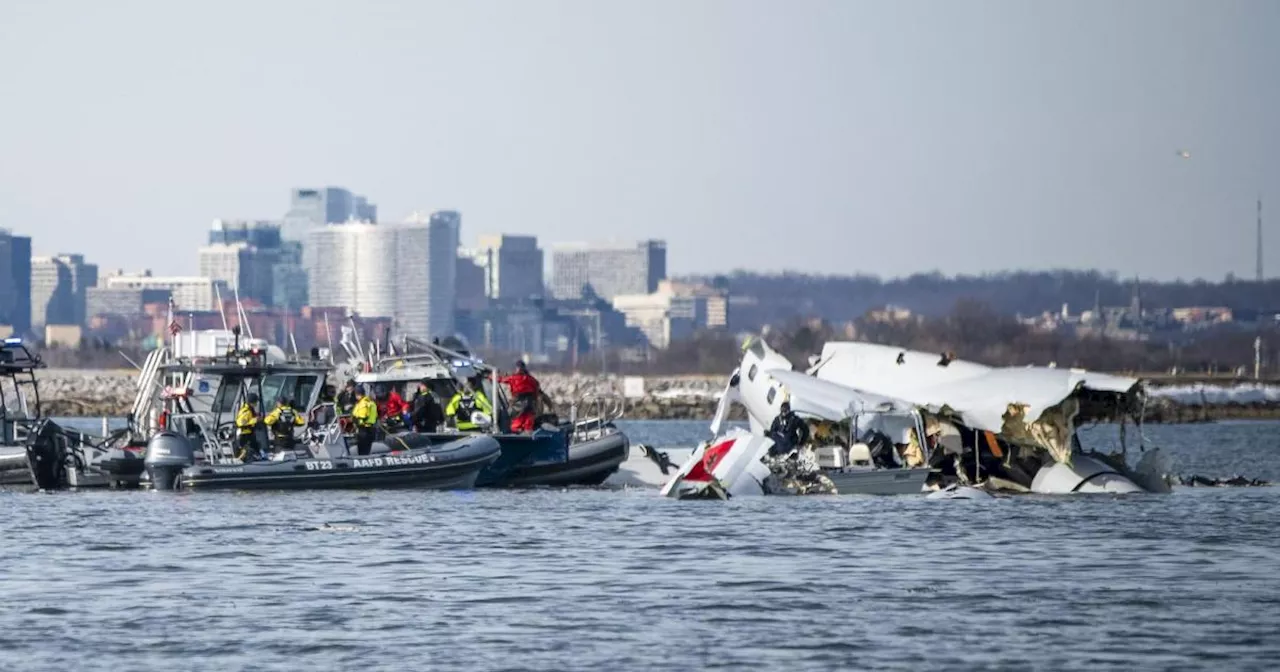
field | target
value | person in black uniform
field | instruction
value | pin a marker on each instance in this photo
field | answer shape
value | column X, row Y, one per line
column 788, row 431
column 426, row 414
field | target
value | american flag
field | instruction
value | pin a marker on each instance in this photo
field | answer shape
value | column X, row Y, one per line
column 174, row 327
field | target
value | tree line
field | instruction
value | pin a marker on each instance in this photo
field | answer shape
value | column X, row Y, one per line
column 759, row 299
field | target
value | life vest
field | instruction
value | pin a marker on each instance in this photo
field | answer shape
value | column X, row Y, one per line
column 466, row 406
column 285, row 421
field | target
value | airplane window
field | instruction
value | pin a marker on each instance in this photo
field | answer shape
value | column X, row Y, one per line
column 773, row 392
column 751, row 374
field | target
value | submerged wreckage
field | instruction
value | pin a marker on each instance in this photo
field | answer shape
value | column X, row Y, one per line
column 866, row 408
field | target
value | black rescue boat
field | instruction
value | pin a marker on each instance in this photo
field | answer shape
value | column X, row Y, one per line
column 403, row 460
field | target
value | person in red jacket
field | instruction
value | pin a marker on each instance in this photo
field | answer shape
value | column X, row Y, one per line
column 525, row 391
column 393, row 408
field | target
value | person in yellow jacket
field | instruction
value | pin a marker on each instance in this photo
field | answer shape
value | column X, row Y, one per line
column 365, row 415
column 281, row 421
column 465, row 404
column 246, row 429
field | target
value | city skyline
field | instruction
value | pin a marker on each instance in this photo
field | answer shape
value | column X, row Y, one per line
column 1132, row 137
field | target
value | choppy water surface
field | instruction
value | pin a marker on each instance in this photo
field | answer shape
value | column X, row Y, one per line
column 612, row 580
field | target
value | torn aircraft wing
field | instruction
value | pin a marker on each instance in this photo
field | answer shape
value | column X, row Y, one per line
column 830, row 400
column 979, row 395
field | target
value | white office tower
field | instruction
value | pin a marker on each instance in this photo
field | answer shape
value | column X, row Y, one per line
column 402, row 271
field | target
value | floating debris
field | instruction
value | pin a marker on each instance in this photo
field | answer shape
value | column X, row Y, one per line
column 1233, row 482
column 328, row 527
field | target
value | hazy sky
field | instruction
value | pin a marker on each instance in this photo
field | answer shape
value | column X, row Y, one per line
column 834, row 136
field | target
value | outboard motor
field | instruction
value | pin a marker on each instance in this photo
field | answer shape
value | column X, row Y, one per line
column 168, row 453
column 47, row 456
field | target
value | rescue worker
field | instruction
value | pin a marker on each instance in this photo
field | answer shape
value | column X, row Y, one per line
column 345, row 404
column 465, row 404
column 525, row 393
column 427, row 416
column 347, row 398
column 365, row 415
column 392, row 410
column 246, row 428
column 281, row 421
column 788, row 431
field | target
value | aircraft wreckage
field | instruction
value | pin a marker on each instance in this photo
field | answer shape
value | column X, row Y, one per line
column 866, row 408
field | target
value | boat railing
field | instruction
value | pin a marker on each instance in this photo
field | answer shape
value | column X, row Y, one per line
column 592, row 415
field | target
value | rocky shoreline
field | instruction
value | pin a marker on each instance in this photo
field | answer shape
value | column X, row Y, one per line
column 94, row 393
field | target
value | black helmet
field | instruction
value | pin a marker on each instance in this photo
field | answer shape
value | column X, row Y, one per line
column 786, row 406
column 284, row 401
column 252, row 398
column 520, row 365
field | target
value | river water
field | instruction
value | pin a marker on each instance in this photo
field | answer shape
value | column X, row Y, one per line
column 617, row 580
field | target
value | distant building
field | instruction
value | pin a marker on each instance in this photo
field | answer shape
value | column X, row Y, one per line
column 470, row 285
column 313, row 207
column 254, row 257
column 717, row 300
column 58, row 289
column 196, row 294
column 546, row 330
column 664, row 316
column 609, row 269
column 242, row 267
column 123, row 301
column 262, row 234
column 404, row 271
column 512, row 266
column 15, row 283
column 289, row 278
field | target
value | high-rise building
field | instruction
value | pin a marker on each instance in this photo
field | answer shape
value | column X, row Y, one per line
column 404, row 271
column 609, row 269
column 242, row 267
column 194, row 294
column 15, row 282
column 289, row 278
column 512, row 266
column 470, row 285
column 312, row 207
column 262, row 234
column 50, row 292
column 253, row 257
column 58, row 289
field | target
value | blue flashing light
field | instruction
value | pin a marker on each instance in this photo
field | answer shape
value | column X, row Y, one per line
column 13, row 341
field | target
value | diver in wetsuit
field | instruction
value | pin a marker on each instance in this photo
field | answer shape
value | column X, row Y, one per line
column 788, row 431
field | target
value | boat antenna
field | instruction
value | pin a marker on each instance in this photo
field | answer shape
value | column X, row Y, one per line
column 328, row 334
column 355, row 333
column 241, row 315
column 222, row 309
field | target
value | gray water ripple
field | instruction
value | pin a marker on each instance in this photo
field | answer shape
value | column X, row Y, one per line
column 574, row 578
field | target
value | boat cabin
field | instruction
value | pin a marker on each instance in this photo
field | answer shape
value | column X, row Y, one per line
column 19, row 391
column 205, row 394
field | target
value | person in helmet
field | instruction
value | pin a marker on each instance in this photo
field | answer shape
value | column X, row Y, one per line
column 465, row 404
column 281, row 421
column 246, row 429
column 788, row 431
